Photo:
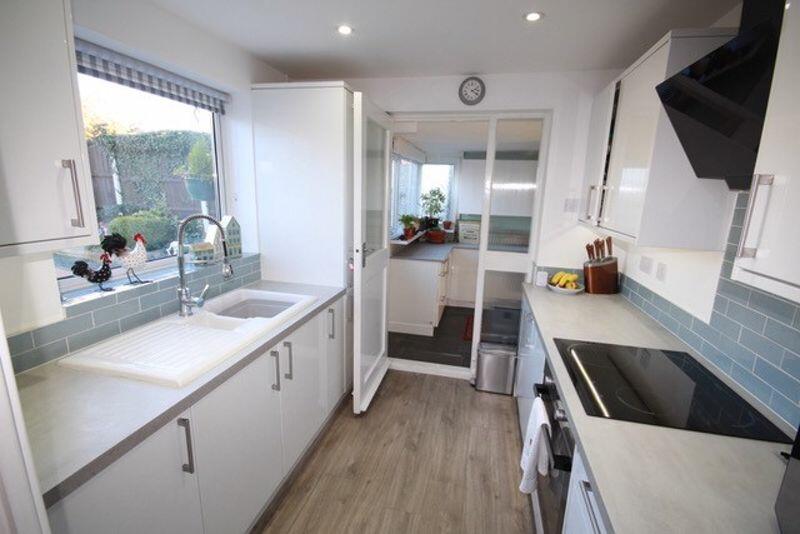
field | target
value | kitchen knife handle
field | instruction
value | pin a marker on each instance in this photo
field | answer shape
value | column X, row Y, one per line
column 609, row 248
column 590, row 251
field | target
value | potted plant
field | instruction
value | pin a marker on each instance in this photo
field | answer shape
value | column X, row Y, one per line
column 409, row 226
column 433, row 205
column 447, row 225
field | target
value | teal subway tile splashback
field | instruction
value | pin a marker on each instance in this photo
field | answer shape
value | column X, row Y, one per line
column 105, row 315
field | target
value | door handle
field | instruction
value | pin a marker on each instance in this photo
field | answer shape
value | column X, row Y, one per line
column 332, row 332
column 290, row 374
column 79, row 221
column 187, row 432
column 585, row 489
column 759, row 180
column 277, row 355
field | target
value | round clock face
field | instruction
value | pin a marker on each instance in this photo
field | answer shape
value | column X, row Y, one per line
column 472, row 90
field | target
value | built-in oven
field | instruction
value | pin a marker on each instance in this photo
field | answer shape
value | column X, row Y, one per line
column 552, row 489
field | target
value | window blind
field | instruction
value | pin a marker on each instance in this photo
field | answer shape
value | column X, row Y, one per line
column 106, row 64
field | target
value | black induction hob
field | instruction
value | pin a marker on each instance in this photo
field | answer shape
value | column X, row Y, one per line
column 660, row 387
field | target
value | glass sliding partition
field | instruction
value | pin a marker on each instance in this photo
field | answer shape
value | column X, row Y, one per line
column 514, row 184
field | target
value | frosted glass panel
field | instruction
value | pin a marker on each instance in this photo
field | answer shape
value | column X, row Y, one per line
column 514, row 184
column 374, row 187
column 373, row 332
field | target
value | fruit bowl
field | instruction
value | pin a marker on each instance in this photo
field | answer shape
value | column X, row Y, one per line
column 565, row 290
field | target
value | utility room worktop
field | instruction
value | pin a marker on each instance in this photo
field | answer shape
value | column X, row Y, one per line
column 429, row 251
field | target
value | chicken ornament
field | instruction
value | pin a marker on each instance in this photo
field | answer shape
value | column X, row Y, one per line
column 95, row 276
column 131, row 259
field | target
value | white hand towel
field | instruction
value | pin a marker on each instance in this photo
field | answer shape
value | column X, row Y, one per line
column 534, row 451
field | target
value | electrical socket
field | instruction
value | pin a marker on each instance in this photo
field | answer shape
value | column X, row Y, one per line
column 661, row 272
column 646, row 264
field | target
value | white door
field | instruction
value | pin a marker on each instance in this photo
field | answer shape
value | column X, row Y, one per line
column 302, row 392
column 45, row 189
column 237, row 438
column 152, row 488
column 372, row 138
column 771, row 240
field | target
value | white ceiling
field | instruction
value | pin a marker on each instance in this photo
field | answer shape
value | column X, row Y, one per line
column 441, row 37
column 451, row 138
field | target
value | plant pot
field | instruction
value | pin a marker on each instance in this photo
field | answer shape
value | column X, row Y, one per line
column 436, row 236
column 447, row 225
column 409, row 233
column 199, row 188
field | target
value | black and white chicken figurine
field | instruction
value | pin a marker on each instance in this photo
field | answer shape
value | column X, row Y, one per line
column 95, row 276
column 117, row 245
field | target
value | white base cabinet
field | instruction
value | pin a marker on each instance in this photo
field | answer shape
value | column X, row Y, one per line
column 582, row 515
column 417, row 295
column 238, row 447
column 144, row 491
column 216, row 467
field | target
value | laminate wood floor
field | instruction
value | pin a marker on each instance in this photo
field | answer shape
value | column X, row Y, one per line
column 430, row 455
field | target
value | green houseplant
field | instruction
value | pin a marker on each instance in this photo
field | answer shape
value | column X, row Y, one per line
column 432, row 206
column 409, row 223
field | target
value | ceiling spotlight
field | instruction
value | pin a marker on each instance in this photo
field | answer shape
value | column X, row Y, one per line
column 533, row 16
column 344, row 29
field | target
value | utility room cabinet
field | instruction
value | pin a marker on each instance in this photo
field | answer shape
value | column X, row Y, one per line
column 769, row 253
column 46, row 198
column 417, row 295
column 639, row 185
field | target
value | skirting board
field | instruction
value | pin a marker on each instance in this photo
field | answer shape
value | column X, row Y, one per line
column 411, row 328
column 427, row 368
column 460, row 303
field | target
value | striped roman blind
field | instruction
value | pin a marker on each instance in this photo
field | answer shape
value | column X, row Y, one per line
column 101, row 62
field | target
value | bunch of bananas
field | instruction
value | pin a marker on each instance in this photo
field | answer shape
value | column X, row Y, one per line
column 565, row 280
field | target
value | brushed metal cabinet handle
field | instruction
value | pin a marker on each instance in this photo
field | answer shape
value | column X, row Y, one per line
column 79, row 221
column 290, row 374
column 187, row 431
column 277, row 355
column 585, row 489
column 589, row 216
column 364, row 255
column 332, row 332
column 758, row 180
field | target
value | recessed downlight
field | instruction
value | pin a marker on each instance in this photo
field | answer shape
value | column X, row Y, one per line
column 533, row 16
column 344, row 29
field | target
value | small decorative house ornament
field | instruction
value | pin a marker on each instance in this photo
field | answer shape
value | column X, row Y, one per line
column 233, row 236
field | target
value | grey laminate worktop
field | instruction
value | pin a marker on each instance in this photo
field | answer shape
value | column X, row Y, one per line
column 651, row 478
column 79, row 422
column 429, row 251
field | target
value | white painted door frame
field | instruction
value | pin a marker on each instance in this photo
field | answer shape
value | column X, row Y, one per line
column 21, row 505
column 368, row 264
column 495, row 260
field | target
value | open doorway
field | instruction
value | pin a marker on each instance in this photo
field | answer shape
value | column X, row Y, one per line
column 485, row 169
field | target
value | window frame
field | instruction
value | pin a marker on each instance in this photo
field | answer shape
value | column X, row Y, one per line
column 74, row 283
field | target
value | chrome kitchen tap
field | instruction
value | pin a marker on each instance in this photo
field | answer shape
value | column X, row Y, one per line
column 184, row 294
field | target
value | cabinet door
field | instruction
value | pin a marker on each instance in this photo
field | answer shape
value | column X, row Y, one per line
column 637, row 117
column 600, row 128
column 334, row 368
column 773, row 235
column 237, row 436
column 302, row 393
column 147, row 490
column 41, row 200
column 582, row 514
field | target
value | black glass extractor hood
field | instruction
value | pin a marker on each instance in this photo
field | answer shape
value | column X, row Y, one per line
column 717, row 104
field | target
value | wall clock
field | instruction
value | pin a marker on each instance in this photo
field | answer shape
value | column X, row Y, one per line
column 472, row 91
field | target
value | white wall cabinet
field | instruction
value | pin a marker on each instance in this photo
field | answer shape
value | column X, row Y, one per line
column 238, row 447
column 769, row 254
column 334, row 358
column 582, row 515
column 303, row 132
column 417, row 295
column 146, row 490
column 46, row 198
column 302, row 392
column 633, row 195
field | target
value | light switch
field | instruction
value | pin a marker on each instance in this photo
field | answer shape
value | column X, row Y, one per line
column 646, row 264
column 661, row 271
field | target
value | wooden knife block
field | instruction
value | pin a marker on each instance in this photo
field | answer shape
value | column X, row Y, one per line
column 601, row 277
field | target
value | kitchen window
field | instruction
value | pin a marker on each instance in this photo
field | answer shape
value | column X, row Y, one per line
column 152, row 139
column 411, row 180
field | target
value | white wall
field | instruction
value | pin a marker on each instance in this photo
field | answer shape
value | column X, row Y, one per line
column 159, row 37
column 567, row 94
